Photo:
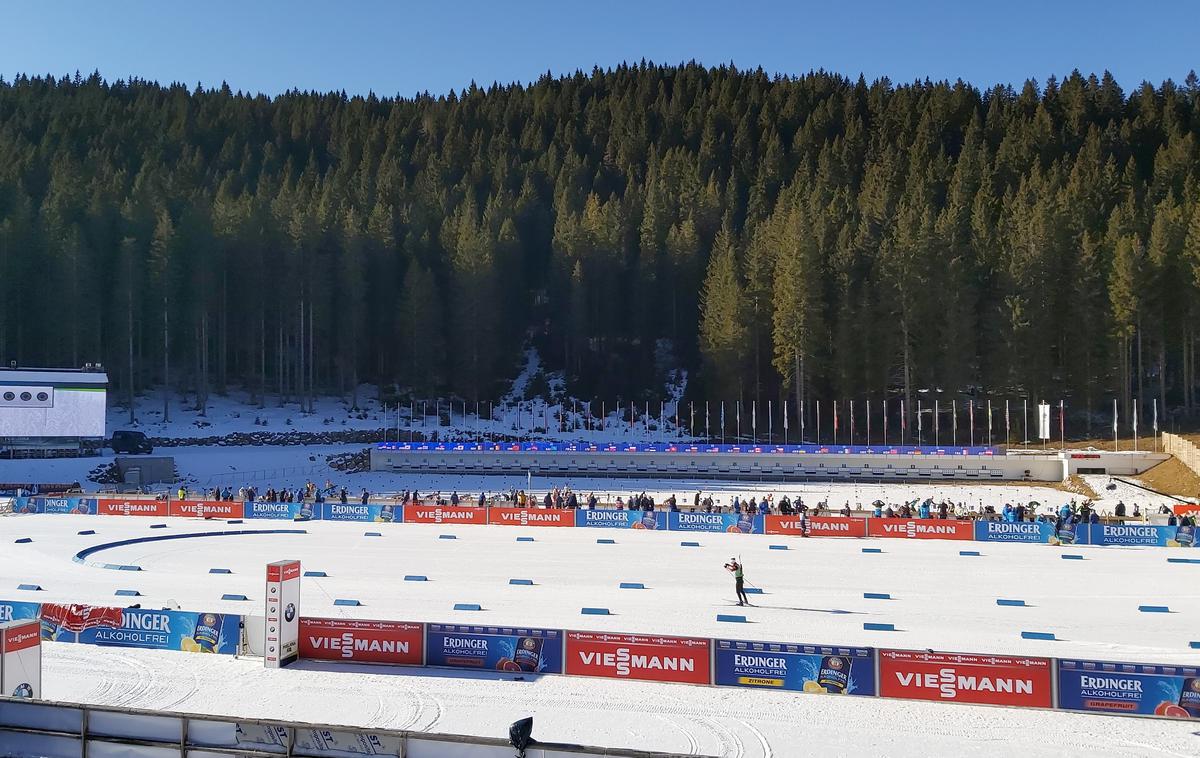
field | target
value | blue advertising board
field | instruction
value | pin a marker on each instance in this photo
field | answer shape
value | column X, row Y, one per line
column 714, row 522
column 280, row 511
column 143, row 628
column 24, row 505
column 71, row 504
column 360, row 512
column 1021, row 531
column 615, row 519
column 1129, row 535
column 16, row 610
column 1129, row 688
column 494, row 648
column 804, row 668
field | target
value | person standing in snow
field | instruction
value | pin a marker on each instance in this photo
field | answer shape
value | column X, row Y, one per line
column 739, row 579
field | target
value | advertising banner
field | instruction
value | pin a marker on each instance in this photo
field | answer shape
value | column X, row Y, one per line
column 531, row 516
column 115, row 506
column 494, row 648
column 965, row 678
column 714, row 522
column 21, row 659
column 639, row 656
column 70, row 504
column 438, row 514
column 672, row 447
column 1186, row 509
column 281, row 630
column 15, row 610
column 1039, row 532
column 823, row 526
column 206, row 508
column 376, row 513
column 317, row 742
column 278, row 511
column 136, row 627
column 392, row 642
column 617, row 519
column 921, row 529
column 1145, row 535
column 804, row 668
column 1129, row 688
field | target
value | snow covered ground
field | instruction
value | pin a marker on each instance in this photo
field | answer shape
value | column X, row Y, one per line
column 813, row 593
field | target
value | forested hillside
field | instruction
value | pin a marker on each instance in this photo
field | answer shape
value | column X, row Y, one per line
column 812, row 237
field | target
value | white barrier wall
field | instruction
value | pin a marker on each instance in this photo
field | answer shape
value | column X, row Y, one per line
column 67, row 730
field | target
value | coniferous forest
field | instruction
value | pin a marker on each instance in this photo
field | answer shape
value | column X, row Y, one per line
column 809, row 237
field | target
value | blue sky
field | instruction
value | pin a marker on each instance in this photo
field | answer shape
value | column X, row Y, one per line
column 402, row 48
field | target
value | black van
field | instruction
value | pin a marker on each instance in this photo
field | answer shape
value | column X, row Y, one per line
column 131, row 443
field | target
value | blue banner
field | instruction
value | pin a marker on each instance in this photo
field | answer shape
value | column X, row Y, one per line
column 360, row 512
column 680, row 447
column 24, row 505
column 614, row 519
column 804, row 668
column 71, row 504
column 715, row 522
column 1129, row 688
column 280, row 511
column 16, row 610
column 1021, row 531
column 1137, row 535
column 494, row 648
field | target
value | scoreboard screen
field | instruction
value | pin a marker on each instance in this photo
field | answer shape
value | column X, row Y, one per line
column 29, row 410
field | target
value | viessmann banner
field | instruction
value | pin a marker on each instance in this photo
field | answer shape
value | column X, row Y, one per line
column 966, row 678
column 804, row 668
column 921, row 529
column 651, row 657
column 115, row 506
column 1129, row 688
column 393, row 642
column 531, row 516
column 436, row 514
column 207, row 508
column 494, row 648
column 822, row 526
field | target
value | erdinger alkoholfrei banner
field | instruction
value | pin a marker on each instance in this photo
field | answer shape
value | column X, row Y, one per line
column 1141, row 534
column 714, row 522
column 138, row 627
column 804, row 668
column 921, row 529
column 371, row 512
column 21, row 659
column 280, row 511
column 1129, row 688
column 966, row 678
column 494, row 648
column 601, row 518
column 652, row 657
column 531, row 516
column 820, row 526
column 680, row 447
column 441, row 514
column 1022, row 531
column 360, row 641
column 70, row 504
column 206, row 508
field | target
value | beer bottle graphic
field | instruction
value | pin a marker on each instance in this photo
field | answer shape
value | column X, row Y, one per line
column 387, row 513
column 528, row 654
column 1189, row 696
column 306, row 511
column 208, row 632
column 834, row 674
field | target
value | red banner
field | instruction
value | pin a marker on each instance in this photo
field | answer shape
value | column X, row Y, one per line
column 965, row 678
column 282, row 571
column 824, row 526
column 206, row 508
column 1186, row 509
column 921, row 529
column 22, row 634
column 394, row 642
column 531, row 517
column 638, row 656
column 436, row 514
column 113, row 506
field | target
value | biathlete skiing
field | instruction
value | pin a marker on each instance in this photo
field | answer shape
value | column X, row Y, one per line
column 739, row 579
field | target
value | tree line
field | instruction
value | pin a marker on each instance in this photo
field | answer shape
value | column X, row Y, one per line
column 809, row 237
